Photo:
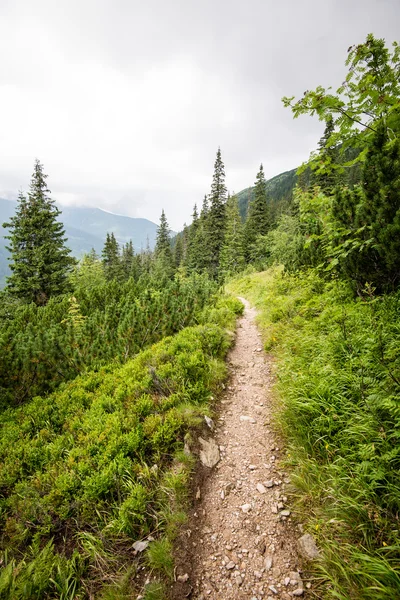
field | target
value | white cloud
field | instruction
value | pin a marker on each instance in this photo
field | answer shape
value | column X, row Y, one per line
column 126, row 102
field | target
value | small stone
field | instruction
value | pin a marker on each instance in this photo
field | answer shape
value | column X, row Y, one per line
column 252, row 467
column 268, row 562
column 246, row 418
column 209, row 454
column 308, row 585
column 231, row 565
column 281, row 506
column 307, row 547
column 222, row 495
column 273, row 589
column 140, row 546
column 286, row 581
column 285, row 513
column 210, row 422
column 269, row 483
column 198, row 494
column 246, row 508
column 257, row 574
column 183, row 578
column 298, row 592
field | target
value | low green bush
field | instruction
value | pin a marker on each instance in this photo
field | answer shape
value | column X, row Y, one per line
column 98, row 464
column 41, row 347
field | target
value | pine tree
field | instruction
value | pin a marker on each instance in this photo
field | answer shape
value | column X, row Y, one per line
column 216, row 217
column 258, row 220
column 369, row 251
column 127, row 260
column 178, row 251
column 145, row 259
column 185, row 245
column 163, row 241
column 111, row 258
column 192, row 262
column 40, row 261
column 204, row 208
column 164, row 264
column 232, row 254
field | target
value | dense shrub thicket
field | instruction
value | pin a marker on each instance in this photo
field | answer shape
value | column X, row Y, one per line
column 339, row 385
column 96, row 465
column 40, row 347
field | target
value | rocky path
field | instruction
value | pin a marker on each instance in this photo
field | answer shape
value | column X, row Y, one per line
column 241, row 542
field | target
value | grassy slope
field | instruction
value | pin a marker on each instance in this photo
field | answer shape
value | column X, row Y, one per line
column 98, row 464
column 339, row 385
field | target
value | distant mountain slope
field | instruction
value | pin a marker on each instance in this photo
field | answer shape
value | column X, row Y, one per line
column 98, row 222
column 280, row 192
column 85, row 228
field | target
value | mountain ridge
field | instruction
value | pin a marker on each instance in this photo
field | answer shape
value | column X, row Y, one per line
column 85, row 228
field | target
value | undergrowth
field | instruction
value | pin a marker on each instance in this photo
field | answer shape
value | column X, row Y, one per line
column 99, row 464
column 339, row 408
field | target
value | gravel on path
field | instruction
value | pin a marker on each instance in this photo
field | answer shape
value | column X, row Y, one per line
column 240, row 542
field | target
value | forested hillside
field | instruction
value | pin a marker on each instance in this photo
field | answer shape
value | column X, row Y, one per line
column 280, row 193
column 85, row 229
column 109, row 364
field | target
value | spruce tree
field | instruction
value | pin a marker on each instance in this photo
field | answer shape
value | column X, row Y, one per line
column 40, row 261
column 204, row 208
column 201, row 250
column 185, row 245
column 369, row 216
column 258, row 220
column 111, row 258
column 178, row 251
column 127, row 260
column 163, row 241
column 164, row 265
column 216, row 217
column 232, row 255
column 192, row 242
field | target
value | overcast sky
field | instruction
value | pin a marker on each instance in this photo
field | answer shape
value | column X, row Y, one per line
column 126, row 102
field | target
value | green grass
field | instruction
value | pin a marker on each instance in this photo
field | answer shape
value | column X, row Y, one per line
column 99, row 464
column 338, row 389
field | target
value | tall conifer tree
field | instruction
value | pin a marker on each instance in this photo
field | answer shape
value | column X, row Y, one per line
column 111, row 258
column 163, row 242
column 232, row 255
column 127, row 260
column 178, row 251
column 216, row 218
column 258, row 220
column 192, row 257
column 163, row 267
column 40, row 261
column 369, row 217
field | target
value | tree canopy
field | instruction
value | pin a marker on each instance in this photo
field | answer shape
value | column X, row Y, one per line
column 40, row 261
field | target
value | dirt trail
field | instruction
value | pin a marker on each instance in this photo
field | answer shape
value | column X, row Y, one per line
column 241, row 543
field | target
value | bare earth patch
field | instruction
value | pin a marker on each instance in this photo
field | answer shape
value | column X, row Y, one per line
column 240, row 542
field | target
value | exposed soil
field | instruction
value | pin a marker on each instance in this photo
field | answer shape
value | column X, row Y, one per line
column 240, row 542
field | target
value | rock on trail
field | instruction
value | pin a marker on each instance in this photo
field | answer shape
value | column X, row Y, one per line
column 240, row 542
